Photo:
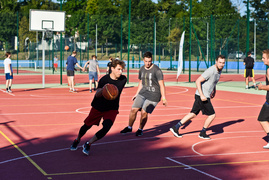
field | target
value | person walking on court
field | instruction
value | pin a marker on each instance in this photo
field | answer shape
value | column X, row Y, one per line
column 206, row 89
column 249, row 72
column 8, row 72
column 150, row 91
column 94, row 71
column 102, row 108
column 263, row 117
column 70, row 68
column 108, row 69
column 55, row 63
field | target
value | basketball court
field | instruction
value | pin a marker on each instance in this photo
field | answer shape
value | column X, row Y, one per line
column 39, row 125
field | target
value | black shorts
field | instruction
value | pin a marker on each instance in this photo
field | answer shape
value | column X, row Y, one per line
column 264, row 113
column 204, row 106
column 249, row 73
column 70, row 73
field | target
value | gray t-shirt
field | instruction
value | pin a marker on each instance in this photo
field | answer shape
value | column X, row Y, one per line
column 92, row 65
column 211, row 76
column 150, row 82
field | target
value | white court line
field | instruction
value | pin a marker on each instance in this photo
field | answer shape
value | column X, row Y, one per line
column 192, row 168
column 223, row 154
column 63, row 149
column 7, row 93
column 14, row 114
column 216, row 140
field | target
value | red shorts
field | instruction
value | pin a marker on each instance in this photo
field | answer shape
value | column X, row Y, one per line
column 95, row 116
column 55, row 65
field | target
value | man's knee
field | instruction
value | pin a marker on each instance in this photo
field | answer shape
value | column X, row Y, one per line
column 107, row 124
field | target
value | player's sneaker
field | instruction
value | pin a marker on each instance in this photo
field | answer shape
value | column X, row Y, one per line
column 86, row 148
column 126, row 130
column 174, row 130
column 10, row 91
column 266, row 146
column 74, row 91
column 74, row 146
column 7, row 91
column 139, row 132
column 203, row 135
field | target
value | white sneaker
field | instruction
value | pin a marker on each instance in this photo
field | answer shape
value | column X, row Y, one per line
column 10, row 91
column 266, row 146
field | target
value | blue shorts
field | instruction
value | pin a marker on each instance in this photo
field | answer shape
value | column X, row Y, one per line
column 93, row 75
column 8, row 76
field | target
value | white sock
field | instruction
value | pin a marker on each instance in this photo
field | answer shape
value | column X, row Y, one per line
column 129, row 127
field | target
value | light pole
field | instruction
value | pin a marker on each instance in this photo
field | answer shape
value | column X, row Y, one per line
column 169, row 26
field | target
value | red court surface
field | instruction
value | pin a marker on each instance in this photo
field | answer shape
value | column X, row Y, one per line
column 38, row 126
column 84, row 78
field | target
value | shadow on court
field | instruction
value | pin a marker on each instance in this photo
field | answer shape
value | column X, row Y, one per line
column 216, row 129
column 160, row 128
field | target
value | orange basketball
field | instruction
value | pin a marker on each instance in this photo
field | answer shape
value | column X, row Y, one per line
column 66, row 48
column 110, row 92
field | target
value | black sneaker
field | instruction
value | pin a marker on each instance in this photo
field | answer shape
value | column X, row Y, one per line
column 74, row 146
column 86, row 148
column 203, row 135
column 126, row 130
column 174, row 130
column 139, row 132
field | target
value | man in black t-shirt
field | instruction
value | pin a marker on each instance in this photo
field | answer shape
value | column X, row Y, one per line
column 108, row 69
column 264, row 113
column 249, row 72
column 150, row 91
column 102, row 108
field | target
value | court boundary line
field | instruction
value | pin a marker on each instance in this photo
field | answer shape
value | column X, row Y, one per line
column 192, row 168
column 216, row 140
column 7, row 93
column 24, row 154
column 135, row 169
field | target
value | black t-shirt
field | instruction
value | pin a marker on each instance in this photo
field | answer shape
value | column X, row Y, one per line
column 249, row 62
column 109, row 67
column 101, row 104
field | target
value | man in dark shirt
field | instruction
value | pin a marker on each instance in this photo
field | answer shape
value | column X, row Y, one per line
column 264, row 113
column 249, row 72
column 150, row 91
column 70, row 68
column 108, row 69
column 102, row 108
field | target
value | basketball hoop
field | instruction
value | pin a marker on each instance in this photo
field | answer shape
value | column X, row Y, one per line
column 48, row 34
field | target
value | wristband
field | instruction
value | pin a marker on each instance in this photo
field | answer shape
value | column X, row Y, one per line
column 163, row 99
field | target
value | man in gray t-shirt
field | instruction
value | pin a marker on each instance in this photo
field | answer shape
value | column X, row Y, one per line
column 94, row 71
column 150, row 91
column 206, row 89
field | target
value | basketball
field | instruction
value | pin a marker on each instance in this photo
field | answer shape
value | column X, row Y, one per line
column 66, row 48
column 110, row 92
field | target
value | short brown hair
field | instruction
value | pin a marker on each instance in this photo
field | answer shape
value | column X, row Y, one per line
column 220, row 56
column 148, row 54
column 7, row 54
column 94, row 56
column 118, row 62
column 74, row 52
column 266, row 51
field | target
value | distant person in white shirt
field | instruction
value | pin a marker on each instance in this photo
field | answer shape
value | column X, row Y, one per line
column 8, row 72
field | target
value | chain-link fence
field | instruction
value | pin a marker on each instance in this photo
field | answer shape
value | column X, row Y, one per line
column 107, row 36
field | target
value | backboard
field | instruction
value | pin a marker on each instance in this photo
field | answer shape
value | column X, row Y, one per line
column 42, row 20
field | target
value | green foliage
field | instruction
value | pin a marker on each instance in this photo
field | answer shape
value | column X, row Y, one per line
column 25, row 33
